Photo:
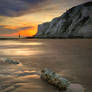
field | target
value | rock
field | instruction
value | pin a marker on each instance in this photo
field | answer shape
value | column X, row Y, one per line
column 6, row 60
column 54, row 79
column 76, row 22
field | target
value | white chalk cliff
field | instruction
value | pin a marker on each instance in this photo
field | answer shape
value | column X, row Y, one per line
column 76, row 22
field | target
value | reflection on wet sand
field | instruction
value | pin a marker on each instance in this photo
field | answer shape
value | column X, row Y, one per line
column 17, row 48
column 20, row 43
column 15, row 76
column 20, row 51
column 30, row 76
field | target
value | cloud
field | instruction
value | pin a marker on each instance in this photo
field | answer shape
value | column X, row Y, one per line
column 14, row 28
column 13, row 8
column 14, row 31
column 5, row 29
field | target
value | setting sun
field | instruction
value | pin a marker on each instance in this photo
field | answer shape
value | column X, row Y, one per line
column 29, row 32
column 26, row 32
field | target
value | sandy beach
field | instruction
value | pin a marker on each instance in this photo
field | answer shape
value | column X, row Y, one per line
column 72, row 58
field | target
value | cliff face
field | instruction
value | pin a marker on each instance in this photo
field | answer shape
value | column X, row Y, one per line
column 76, row 22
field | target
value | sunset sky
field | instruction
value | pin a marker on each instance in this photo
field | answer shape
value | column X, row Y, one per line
column 23, row 16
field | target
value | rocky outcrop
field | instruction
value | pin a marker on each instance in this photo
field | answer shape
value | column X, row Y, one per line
column 54, row 79
column 9, row 61
column 76, row 22
column 59, row 82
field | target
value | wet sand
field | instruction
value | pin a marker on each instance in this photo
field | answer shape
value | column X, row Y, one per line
column 72, row 58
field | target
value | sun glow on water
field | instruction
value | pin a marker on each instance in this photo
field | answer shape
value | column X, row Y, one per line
column 18, row 48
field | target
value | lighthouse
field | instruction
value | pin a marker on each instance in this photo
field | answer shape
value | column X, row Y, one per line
column 19, row 36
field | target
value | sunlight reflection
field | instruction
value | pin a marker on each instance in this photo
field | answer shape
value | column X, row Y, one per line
column 23, row 51
column 26, row 71
column 31, row 85
column 30, row 76
column 20, row 43
column 20, row 64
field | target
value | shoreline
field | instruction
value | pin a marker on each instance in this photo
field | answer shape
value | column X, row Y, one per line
column 40, row 38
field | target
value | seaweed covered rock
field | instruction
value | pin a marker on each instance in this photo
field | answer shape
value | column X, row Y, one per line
column 6, row 60
column 54, row 79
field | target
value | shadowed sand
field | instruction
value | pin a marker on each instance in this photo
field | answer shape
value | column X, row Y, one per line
column 71, row 58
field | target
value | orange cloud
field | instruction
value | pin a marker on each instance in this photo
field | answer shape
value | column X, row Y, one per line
column 13, row 34
column 22, row 24
column 19, row 25
column 10, row 27
column 32, row 31
column 29, row 32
